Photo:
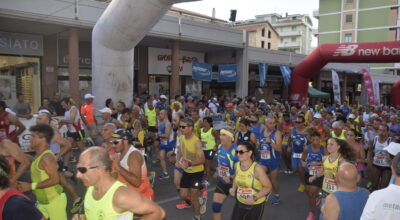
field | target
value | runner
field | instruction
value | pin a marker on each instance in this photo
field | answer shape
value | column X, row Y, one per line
column 338, row 131
column 7, row 119
column 107, row 198
column 190, row 159
column 378, row 159
column 285, row 127
column 226, row 160
column 52, row 201
column 358, row 149
column 163, row 141
column 151, row 117
column 244, row 133
column 130, row 165
column 311, row 160
column 203, row 110
column 13, row 204
column 251, row 192
column 270, row 154
column 87, row 115
column 210, row 141
column 256, row 126
column 197, row 122
column 106, row 134
column 298, row 141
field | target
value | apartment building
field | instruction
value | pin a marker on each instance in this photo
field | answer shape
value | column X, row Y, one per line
column 261, row 34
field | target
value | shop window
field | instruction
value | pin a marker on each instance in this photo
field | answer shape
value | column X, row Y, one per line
column 85, row 82
column 190, row 86
column 159, row 85
column 20, row 75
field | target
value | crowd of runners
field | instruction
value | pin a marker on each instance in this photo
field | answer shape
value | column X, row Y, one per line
column 346, row 157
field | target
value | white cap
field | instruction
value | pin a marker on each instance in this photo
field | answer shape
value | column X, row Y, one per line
column 393, row 148
column 163, row 97
column 43, row 111
column 89, row 96
column 214, row 99
column 105, row 110
column 374, row 115
column 262, row 101
column 351, row 116
column 317, row 115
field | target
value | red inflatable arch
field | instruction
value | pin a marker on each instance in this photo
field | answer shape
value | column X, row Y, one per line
column 373, row 52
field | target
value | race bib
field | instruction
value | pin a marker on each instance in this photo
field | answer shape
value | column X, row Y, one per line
column 380, row 160
column 330, row 185
column 314, row 170
column 223, row 171
column 164, row 142
column 297, row 155
column 265, row 154
column 205, row 144
column 244, row 193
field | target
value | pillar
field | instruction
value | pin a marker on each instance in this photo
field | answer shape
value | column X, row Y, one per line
column 344, row 87
column 175, row 85
column 73, row 64
column 242, row 82
column 143, row 76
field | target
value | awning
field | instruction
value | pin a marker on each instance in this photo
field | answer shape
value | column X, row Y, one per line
column 315, row 93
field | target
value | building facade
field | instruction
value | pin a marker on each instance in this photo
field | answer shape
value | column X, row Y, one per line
column 355, row 21
column 261, row 35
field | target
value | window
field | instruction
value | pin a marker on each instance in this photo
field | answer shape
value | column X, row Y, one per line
column 293, row 39
column 349, row 18
column 269, row 45
column 349, row 1
column 263, row 32
column 293, row 28
column 348, row 38
column 269, row 34
column 262, row 44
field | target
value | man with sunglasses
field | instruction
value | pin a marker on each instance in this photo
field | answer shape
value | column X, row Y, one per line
column 107, row 198
column 191, row 160
column 50, row 195
column 130, row 165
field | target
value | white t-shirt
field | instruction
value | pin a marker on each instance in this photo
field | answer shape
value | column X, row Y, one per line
column 383, row 204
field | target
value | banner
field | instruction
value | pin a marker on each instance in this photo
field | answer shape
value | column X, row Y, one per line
column 201, row 71
column 336, row 87
column 227, row 73
column 375, row 85
column 262, row 73
column 368, row 85
column 286, row 74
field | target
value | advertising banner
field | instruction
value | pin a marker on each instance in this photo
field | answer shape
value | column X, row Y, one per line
column 262, row 72
column 227, row 73
column 368, row 85
column 336, row 87
column 286, row 74
column 201, row 71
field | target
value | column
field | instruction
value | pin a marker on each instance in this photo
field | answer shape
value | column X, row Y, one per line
column 73, row 64
column 143, row 76
column 175, row 85
column 242, row 82
column 344, row 87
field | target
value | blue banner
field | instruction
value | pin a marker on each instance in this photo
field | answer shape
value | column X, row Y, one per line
column 227, row 73
column 201, row 71
column 262, row 73
column 286, row 74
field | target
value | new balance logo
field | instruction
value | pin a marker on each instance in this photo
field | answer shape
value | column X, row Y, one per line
column 345, row 50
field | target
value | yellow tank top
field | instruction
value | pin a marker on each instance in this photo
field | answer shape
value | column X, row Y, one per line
column 151, row 116
column 197, row 128
column 188, row 149
column 329, row 184
column 341, row 137
column 45, row 195
column 103, row 208
column 248, row 185
column 207, row 139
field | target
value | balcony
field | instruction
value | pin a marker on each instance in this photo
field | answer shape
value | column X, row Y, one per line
column 316, row 13
column 289, row 33
column 288, row 44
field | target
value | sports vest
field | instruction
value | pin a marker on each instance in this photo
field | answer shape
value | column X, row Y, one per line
column 247, row 184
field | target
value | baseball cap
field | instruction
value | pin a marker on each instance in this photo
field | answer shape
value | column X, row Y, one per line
column 163, row 97
column 229, row 105
column 317, row 115
column 351, row 116
column 262, row 101
column 89, row 96
column 122, row 135
column 105, row 110
column 393, row 148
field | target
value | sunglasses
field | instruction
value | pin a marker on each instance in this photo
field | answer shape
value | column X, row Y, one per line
column 85, row 169
column 182, row 127
column 299, row 122
column 115, row 142
column 241, row 152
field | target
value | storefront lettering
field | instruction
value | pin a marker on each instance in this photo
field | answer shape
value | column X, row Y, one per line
column 18, row 44
column 185, row 59
column 82, row 60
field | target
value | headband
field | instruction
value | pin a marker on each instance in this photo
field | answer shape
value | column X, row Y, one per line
column 227, row 133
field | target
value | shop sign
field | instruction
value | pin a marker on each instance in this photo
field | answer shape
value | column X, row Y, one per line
column 21, row 44
column 85, row 53
column 160, row 61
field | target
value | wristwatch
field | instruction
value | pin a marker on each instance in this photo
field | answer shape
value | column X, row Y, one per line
column 255, row 198
column 190, row 163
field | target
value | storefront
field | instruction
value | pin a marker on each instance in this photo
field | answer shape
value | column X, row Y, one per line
column 20, row 61
column 159, row 65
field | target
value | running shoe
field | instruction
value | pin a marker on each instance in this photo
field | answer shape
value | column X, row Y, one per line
column 275, row 200
column 183, row 205
column 310, row 216
column 155, row 161
column 163, row 176
column 77, row 206
column 301, row 188
column 203, row 199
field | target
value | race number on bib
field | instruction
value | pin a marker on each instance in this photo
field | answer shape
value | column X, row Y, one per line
column 244, row 193
column 380, row 160
column 314, row 170
column 265, row 154
column 223, row 171
column 205, row 144
column 330, row 185
column 297, row 155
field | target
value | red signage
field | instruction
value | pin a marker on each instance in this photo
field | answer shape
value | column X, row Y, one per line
column 368, row 86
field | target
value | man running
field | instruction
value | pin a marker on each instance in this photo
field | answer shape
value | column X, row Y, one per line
column 164, row 141
column 50, row 195
column 191, row 160
column 107, row 198
column 13, row 153
column 7, row 119
column 298, row 142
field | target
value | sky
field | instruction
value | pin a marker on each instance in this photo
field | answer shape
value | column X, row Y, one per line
column 247, row 9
